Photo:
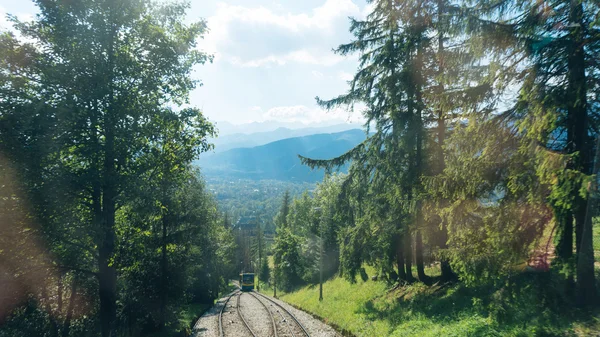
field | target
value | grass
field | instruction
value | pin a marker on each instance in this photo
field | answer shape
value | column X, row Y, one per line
column 190, row 314
column 529, row 305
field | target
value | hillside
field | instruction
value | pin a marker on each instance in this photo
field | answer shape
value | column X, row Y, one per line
column 374, row 308
column 279, row 160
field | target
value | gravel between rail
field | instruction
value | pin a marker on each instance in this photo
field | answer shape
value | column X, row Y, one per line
column 256, row 315
column 258, row 319
column 286, row 324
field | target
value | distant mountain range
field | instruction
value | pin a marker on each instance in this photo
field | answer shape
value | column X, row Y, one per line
column 279, row 160
column 238, row 140
column 227, row 128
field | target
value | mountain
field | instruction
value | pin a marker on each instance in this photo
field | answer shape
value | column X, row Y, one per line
column 279, row 160
column 237, row 140
column 227, row 128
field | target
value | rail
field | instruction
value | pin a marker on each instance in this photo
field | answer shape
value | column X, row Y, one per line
column 287, row 312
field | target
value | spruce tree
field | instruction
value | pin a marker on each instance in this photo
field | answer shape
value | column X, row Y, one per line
column 555, row 112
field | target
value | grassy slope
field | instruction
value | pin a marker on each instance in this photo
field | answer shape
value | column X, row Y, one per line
column 372, row 309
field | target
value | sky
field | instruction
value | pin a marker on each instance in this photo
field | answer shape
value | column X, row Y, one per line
column 271, row 58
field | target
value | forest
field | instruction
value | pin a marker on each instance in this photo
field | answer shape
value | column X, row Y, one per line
column 482, row 157
column 479, row 166
column 107, row 228
column 245, row 197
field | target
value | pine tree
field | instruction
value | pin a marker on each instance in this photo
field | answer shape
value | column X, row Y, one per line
column 282, row 245
column 408, row 81
column 281, row 219
column 381, row 83
column 259, row 250
column 554, row 113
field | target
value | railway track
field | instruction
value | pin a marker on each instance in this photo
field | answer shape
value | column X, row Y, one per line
column 221, row 330
column 289, row 326
column 242, row 316
column 221, row 333
column 282, row 322
column 273, row 325
column 231, row 325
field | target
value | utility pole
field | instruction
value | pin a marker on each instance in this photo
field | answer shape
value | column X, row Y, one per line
column 259, row 243
column 321, row 270
column 275, row 280
column 318, row 211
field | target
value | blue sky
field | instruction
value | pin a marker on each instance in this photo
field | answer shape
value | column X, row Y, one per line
column 271, row 57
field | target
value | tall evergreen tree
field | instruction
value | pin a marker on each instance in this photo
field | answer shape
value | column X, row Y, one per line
column 259, row 249
column 410, row 81
column 281, row 219
column 383, row 83
column 556, row 112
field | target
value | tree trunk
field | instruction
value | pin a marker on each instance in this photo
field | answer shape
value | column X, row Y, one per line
column 577, row 110
column 163, row 271
column 107, row 280
column 408, row 256
column 59, row 295
column 564, row 247
column 70, row 309
column 419, row 165
column 48, row 307
column 586, row 282
column 107, row 286
column 106, row 274
column 419, row 256
column 400, row 257
column 447, row 273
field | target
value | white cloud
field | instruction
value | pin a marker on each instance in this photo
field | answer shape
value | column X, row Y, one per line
column 255, row 108
column 304, row 56
column 259, row 36
column 321, row 18
column 317, row 74
column 345, row 76
column 297, row 56
column 304, row 114
column 367, row 10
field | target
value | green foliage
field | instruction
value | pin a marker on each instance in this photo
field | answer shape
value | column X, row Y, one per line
column 97, row 190
column 242, row 197
column 453, row 167
column 108, row 229
column 310, row 233
column 557, row 113
column 494, row 219
column 301, row 215
column 265, row 271
column 287, row 259
column 281, row 219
